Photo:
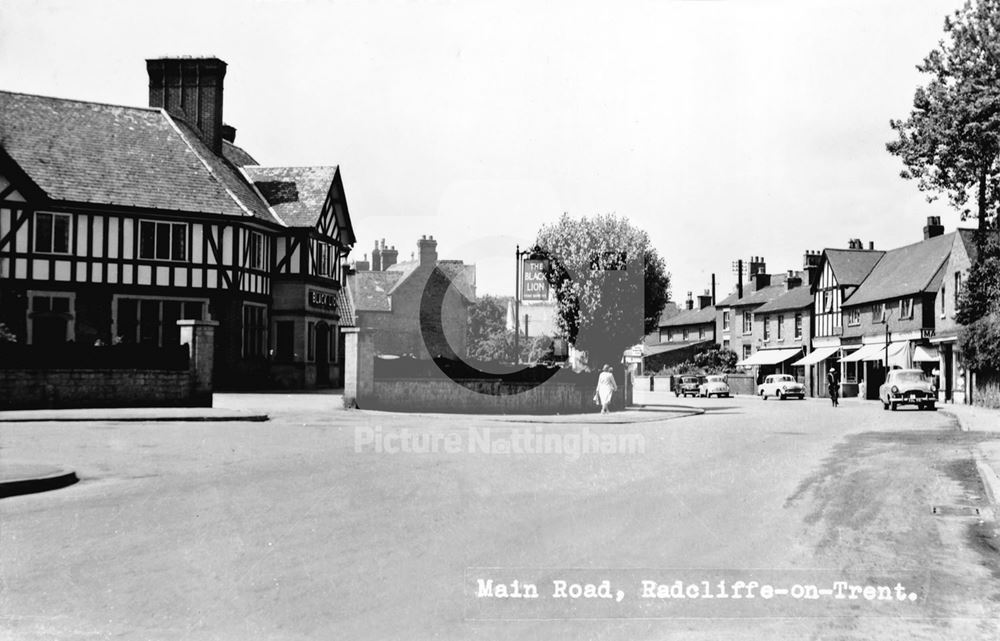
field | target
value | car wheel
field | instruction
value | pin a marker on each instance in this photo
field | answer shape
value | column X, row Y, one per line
column 931, row 407
column 885, row 405
column 781, row 396
column 892, row 405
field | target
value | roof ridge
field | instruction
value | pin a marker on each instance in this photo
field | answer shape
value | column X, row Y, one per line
column 253, row 186
column 296, row 166
column 205, row 163
column 77, row 100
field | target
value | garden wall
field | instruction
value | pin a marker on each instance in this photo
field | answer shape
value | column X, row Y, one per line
column 478, row 397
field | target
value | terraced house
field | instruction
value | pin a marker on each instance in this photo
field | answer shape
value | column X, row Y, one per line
column 116, row 221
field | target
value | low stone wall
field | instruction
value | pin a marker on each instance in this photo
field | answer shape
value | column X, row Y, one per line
column 56, row 388
column 478, row 397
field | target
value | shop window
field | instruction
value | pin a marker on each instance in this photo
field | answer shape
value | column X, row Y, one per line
column 162, row 241
column 52, row 233
column 254, row 330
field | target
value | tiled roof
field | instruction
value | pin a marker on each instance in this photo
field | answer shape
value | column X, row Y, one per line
column 237, row 155
column 296, row 194
column 370, row 290
column 795, row 298
column 904, row 271
column 345, row 308
column 669, row 311
column 97, row 153
column 851, row 266
column 764, row 294
column 728, row 300
column 652, row 350
column 691, row 317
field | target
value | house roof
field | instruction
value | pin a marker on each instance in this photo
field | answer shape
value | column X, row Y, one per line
column 764, row 294
column 109, row 154
column 851, row 266
column 795, row 298
column 346, row 308
column 904, row 271
column 297, row 194
column 371, row 290
column 653, row 350
column 237, row 155
column 968, row 237
column 691, row 317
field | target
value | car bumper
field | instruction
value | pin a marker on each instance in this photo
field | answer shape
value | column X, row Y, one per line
column 916, row 397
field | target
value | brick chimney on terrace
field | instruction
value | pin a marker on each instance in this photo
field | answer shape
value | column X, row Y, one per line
column 427, row 247
column 705, row 300
column 377, row 256
column 190, row 89
column 389, row 256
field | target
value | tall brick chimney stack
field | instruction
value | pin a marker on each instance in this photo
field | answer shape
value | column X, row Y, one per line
column 389, row 256
column 427, row 247
column 377, row 257
column 689, row 303
column 190, row 89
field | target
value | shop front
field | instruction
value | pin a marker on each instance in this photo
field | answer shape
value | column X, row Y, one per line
column 306, row 351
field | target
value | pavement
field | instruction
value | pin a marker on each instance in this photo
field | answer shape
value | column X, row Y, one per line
column 987, row 453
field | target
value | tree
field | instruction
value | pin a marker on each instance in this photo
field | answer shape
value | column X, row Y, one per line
column 950, row 141
column 487, row 338
column 610, row 283
column 717, row 360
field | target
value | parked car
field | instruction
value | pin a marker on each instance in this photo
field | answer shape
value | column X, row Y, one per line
column 688, row 385
column 714, row 385
column 782, row 386
column 907, row 387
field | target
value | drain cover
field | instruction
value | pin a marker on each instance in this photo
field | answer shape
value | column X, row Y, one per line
column 955, row 510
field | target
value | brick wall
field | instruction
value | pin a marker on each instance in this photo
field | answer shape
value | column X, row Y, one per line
column 922, row 305
column 34, row 389
column 493, row 397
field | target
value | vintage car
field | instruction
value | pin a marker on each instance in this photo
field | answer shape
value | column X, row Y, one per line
column 782, row 386
column 714, row 385
column 686, row 385
column 907, row 387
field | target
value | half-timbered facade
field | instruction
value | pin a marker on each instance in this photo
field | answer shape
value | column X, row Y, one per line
column 839, row 273
column 115, row 222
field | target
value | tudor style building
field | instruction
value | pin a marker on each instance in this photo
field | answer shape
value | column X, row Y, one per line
column 115, row 222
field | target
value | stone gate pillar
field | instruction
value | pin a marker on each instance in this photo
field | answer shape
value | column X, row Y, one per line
column 359, row 366
column 199, row 336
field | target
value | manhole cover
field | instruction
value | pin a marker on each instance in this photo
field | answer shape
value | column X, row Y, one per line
column 955, row 510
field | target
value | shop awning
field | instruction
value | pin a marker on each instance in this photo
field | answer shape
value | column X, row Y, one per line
column 925, row 354
column 817, row 355
column 770, row 356
column 866, row 353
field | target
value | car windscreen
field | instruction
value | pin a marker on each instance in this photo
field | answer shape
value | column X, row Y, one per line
column 910, row 377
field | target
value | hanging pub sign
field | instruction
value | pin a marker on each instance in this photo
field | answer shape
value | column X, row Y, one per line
column 533, row 283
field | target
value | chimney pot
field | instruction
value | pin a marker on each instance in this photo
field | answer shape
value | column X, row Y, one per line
column 933, row 227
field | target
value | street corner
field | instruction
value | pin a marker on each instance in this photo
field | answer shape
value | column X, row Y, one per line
column 18, row 478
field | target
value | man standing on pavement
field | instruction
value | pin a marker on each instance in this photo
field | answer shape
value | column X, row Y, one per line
column 833, row 385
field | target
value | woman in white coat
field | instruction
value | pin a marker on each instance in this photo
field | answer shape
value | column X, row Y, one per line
column 606, row 388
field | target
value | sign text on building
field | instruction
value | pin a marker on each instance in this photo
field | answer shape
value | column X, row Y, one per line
column 323, row 300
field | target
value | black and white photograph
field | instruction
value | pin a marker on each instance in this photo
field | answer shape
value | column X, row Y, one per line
column 455, row 320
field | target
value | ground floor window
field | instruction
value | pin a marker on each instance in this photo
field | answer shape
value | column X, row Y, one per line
column 153, row 321
column 254, row 330
column 284, row 341
column 50, row 317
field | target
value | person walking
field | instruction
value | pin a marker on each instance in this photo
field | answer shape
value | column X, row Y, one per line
column 833, row 385
column 606, row 387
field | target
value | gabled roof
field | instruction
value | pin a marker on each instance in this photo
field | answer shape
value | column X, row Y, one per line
column 904, row 271
column 728, row 300
column 691, row 317
column 297, row 194
column 851, row 266
column 795, row 298
column 968, row 238
column 108, row 154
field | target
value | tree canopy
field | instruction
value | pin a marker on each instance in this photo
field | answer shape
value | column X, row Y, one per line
column 949, row 143
column 609, row 281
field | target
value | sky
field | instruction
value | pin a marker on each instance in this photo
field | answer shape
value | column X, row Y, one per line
column 725, row 129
